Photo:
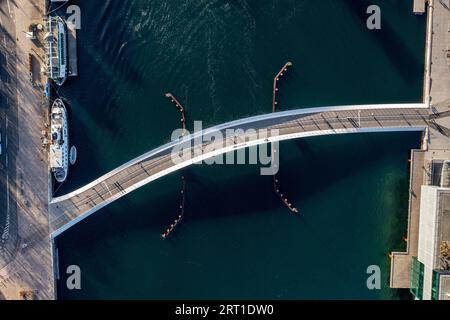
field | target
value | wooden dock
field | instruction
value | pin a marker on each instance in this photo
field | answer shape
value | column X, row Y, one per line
column 72, row 49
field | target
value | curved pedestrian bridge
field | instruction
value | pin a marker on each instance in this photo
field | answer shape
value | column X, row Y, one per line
column 67, row 210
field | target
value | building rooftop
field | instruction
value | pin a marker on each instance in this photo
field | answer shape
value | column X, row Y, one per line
column 444, row 293
column 443, row 233
column 434, row 244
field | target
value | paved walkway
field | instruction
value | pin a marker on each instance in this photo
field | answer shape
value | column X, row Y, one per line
column 28, row 264
column 401, row 261
column 440, row 76
column 437, row 75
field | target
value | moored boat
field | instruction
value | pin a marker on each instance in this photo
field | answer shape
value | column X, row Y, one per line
column 59, row 147
column 57, row 50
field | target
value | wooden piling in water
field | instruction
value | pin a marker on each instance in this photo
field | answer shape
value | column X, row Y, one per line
column 275, row 84
column 179, row 107
column 283, row 198
column 180, row 217
column 276, row 187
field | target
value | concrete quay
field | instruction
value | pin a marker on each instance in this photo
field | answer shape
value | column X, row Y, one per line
column 437, row 141
column 26, row 269
column 439, row 46
column 401, row 261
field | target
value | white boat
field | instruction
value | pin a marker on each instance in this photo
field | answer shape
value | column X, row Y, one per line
column 57, row 49
column 59, row 147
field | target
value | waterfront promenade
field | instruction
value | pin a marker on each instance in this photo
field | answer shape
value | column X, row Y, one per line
column 437, row 143
column 439, row 75
column 401, row 261
column 25, row 262
column 66, row 210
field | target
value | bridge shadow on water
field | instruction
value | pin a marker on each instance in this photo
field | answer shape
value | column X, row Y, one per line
column 222, row 191
column 234, row 195
column 320, row 169
column 303, row 174
column 394, row 45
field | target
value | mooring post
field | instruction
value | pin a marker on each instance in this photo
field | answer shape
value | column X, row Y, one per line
column 179, row 107
column 181, row 215
column 275, row 84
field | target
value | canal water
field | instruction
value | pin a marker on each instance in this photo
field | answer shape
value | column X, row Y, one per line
column 219, row 58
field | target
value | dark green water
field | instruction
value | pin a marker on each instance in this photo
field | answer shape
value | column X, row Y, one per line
column 219, row 59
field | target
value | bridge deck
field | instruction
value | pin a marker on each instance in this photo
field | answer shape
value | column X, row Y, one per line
column 67, row 210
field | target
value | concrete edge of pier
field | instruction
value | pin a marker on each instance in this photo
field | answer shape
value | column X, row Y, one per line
column 401, row 261
column 72, row 49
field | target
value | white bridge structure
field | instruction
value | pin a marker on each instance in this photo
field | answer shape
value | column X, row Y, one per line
column 67, row 210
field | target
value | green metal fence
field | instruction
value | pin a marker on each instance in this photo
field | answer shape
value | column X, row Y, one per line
column 417, row 272
column 435, row 286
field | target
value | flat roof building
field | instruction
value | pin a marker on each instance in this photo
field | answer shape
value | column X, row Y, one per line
column 430, row 271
